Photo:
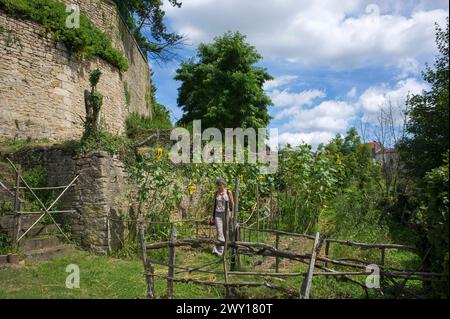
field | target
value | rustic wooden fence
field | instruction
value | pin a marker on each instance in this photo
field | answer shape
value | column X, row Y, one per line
column 315, row 260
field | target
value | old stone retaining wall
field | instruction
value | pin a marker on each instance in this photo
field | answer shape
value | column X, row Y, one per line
column 42, row 85
column 100, row 195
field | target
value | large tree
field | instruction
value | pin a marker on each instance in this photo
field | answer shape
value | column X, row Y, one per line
column 427, row 129
column 223, row 87
column 145, row 18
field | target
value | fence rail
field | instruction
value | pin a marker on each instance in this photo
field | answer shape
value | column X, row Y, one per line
column 263, row 249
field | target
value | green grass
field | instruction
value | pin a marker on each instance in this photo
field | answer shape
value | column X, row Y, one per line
column 10, row 145
column 108, row 277
column 100, row 277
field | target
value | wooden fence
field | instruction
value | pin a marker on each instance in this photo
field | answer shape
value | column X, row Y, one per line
column 240, row 246
column 22, row 185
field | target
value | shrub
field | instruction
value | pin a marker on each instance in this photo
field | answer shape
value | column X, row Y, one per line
column 136, row 122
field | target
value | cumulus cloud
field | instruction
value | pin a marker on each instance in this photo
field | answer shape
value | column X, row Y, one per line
column 377, row 97
column 286, row 98
column 279, row 81
column 329, row 115
column 352, row 92
column 340, row 34
column 313, row 138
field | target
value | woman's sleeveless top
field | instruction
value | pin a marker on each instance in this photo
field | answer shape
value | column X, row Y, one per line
column 222, row 202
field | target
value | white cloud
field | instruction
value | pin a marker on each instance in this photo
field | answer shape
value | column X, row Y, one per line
column 407, row 67
column 285, row 98
column 279, row 81
column 339, row 34
column 329, row 115
column 377, row 97
column 313, row 138
column 352, row 92
column 314, row 125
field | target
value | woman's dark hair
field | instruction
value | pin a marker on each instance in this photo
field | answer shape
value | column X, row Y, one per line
column 220, row 181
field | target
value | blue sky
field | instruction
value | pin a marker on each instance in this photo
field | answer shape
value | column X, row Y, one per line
column 336, row 64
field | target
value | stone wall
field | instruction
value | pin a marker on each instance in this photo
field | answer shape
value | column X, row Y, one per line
column 99, row 195
column 42, row 85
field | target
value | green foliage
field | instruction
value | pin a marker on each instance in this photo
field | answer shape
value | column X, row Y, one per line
column 94, row 77
column 102, row 140
column 127, row 93
column 424, row 201
column 310, row 181
column 85, row 41
column 37, row 177
column 93, row 102
column 224, row 88
column 145, row 18
column 136, row 122
column 433, row 216
column 428, row 124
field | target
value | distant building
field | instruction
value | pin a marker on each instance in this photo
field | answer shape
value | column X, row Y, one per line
column 386, row 156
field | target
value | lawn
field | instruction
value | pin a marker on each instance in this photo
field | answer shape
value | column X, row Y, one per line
column 108, row 277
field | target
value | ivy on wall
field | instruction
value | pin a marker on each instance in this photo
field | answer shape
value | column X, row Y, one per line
column 86, row 41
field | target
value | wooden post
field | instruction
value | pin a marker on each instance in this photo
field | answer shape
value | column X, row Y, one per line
column 327, row 251
column 306, row 286
column 257, row 213
column 17, row 221
column 196, row 229
column 238, row 238
column 277, row 245
column 224, row 255
column 382, row 265
column 170, row 274
column 148, row 267
column 234, row 232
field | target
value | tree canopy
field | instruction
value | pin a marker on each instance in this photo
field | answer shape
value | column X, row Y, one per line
column 223, row 87
column 428, row 125
column 145, row 18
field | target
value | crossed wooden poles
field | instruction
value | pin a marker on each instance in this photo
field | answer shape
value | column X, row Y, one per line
column 46, row 210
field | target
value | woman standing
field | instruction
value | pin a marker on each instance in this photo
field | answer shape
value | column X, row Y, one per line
column 223, row 205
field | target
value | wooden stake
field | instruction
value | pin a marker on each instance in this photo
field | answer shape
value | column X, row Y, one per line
column 306, row 286
column 277, row 245
column 149, row 270
column 17, row 222
column 234, row 231
column 327, row 251
column 224, row 256
column 257, row 212
column 170, row 273
column 382, row 265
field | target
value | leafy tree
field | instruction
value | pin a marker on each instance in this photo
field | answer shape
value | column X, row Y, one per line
column 433, row 217
column 145, row 18
column 223, row 88
column 428, row 126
